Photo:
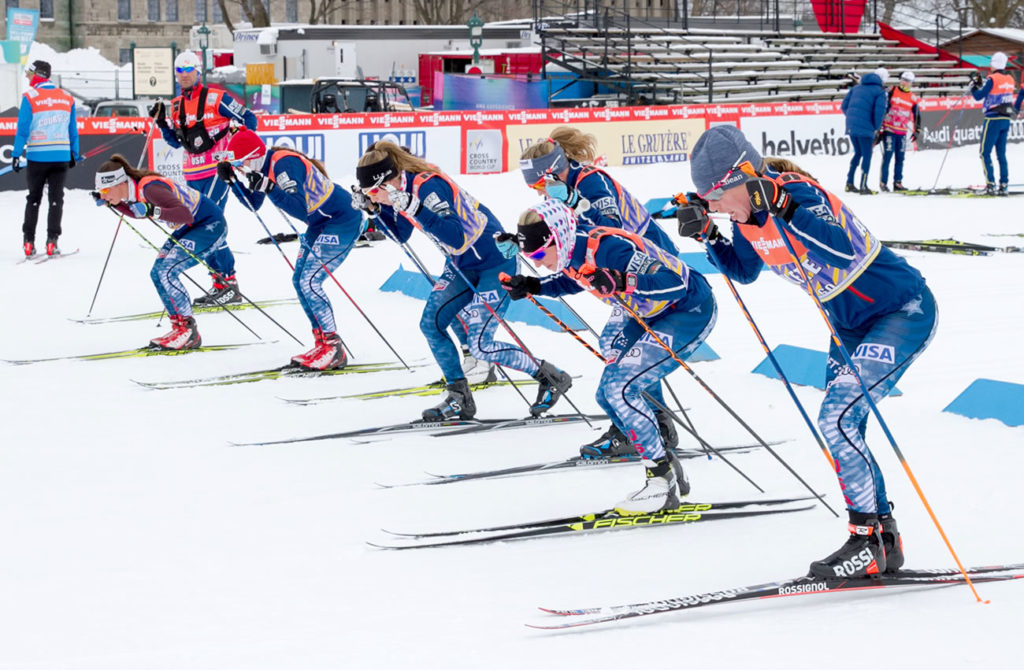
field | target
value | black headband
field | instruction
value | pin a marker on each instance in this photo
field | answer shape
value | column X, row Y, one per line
column 377, row 173
column 533, row 236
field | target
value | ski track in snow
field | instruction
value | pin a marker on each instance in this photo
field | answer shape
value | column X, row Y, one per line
column 135, row 537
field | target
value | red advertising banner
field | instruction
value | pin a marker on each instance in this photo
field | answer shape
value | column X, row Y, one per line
column 838, row 16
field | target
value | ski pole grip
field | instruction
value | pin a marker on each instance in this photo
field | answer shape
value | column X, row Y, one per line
column 503, row 276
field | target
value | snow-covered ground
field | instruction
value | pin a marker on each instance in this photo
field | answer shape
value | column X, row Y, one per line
column 133, row 536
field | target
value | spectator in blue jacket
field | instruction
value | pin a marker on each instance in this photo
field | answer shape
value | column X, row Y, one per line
column 47, row 139
column 864, row 107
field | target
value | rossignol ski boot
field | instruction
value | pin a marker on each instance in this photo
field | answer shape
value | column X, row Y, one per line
column 553, row 385
column 861, row 555
column 183, row 335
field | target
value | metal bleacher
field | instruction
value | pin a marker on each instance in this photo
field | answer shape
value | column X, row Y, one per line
column 659, row 64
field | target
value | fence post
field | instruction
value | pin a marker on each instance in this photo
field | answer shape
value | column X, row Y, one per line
column 711, row 76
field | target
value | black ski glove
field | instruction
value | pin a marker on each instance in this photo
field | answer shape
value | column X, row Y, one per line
column 226, row 171
column 692, row 215
column 72, row 162
column 16, row 163
column 97, row 198
column 259, row 182
column 767, row 196
column 607, row 281
column 519, row 286
column 159, row 113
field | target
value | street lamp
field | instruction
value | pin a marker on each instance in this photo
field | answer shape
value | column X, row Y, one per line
column 476, row 35
column 204, row 43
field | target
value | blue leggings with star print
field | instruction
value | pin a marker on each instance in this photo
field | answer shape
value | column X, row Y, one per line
column 882, row 352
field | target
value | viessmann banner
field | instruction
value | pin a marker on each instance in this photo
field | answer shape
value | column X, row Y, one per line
column 489, row 141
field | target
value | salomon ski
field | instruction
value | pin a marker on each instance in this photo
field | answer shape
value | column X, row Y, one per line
column 568, row 463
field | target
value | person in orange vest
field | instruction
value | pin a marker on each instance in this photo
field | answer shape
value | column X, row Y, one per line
column 200, row 121
column 878, row 304
column 998, row 105
column 47, row 138
column 903, row 111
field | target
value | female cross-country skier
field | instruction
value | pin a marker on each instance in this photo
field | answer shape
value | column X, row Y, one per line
column 879, row 305
column 561, row 168
column 198, row 229
column 405, row 193
column 300, row 186
column 673, row 300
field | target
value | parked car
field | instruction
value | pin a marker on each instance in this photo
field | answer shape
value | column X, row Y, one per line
column 356, row 96
column 107, row 108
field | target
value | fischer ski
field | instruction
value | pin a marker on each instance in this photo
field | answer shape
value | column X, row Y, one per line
column 54, row 257
column 608, row 515
column 289, row 370
column 418, row 426
column 688, row 513
column 949, row 246
column 799, row 586
column 569, row 463
column 134, row 353
column 198, row 310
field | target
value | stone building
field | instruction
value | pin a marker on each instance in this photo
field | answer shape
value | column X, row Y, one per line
column 113, row 25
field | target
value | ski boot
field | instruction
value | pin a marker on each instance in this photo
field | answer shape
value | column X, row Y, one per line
column 891, row 542
column 477, row 371
column 611, row 443
column 990, row 189
column 1003, row 190
column 327, row 353
column 850, row 188
column 51, row 247
column 660, row 491
column 864, row 190
column 30, row 248
column 183, row 335
column 553, row 385
column 224, row 292
column 457, row 405
column 883, row 188
column 667, row 428
column 862, row 554
column 898, row 186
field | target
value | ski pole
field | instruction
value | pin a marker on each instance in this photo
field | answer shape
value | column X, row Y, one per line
column 501, row 321
column 248, row 204
column 104, row 270
column 426, row 275
column 848, row 360
column 718, row 399
column 157, row 249
column 211, row 270
column 952, row 136
column 647, row 396
column 330, row 274
column 778, row 370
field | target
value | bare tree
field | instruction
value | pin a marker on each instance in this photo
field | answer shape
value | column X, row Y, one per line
column 253, row 11
column 995, row 13
column 224, row 16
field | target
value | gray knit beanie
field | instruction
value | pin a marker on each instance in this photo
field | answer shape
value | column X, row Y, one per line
column 718, row 151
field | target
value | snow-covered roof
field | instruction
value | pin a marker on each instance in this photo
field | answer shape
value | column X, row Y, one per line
column 1011, row 34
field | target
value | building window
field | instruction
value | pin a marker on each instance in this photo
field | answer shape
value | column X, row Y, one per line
column 46, row 9
column 153, row 9
column 124, row 10
column 171, row 11
column 124, row 56
column 201, row 16
column 217, row 16
column 291, row 11
column 12, row 4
